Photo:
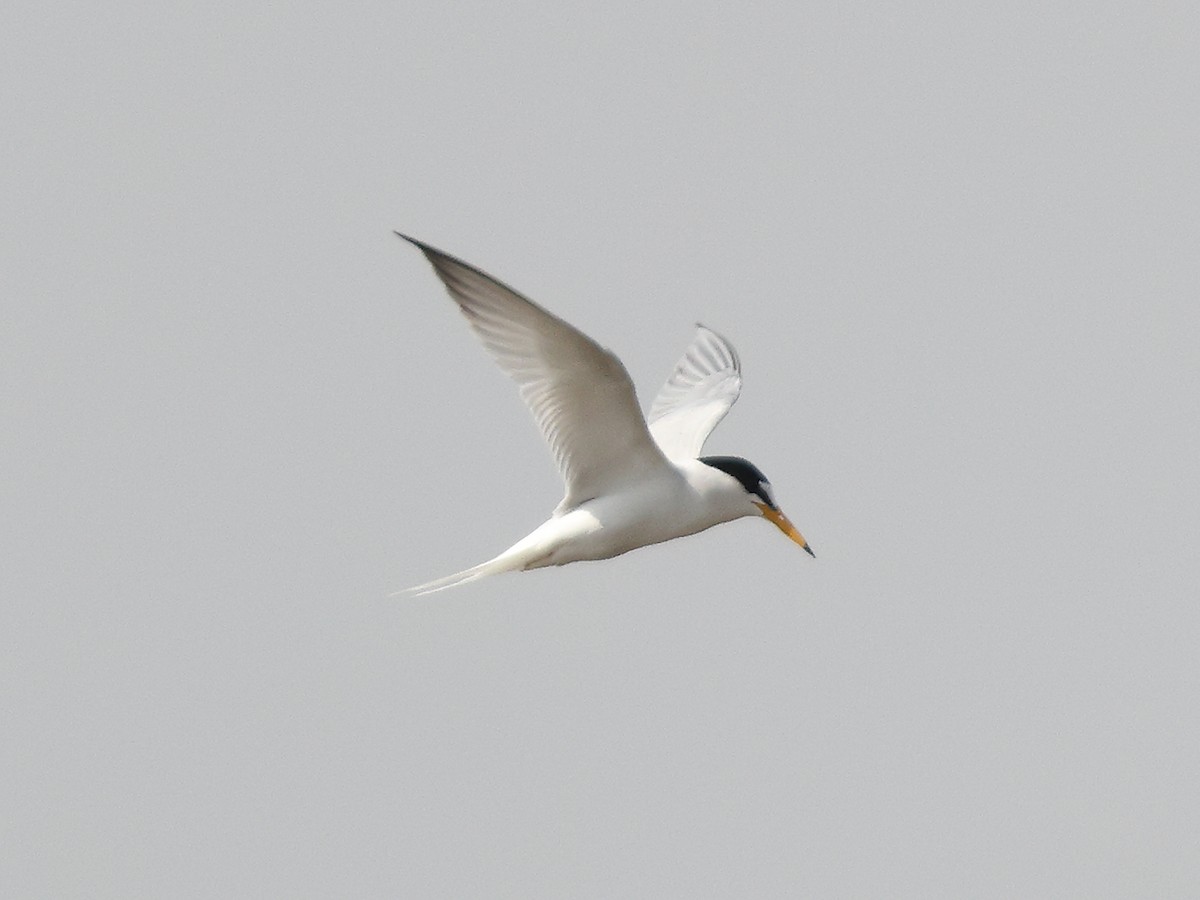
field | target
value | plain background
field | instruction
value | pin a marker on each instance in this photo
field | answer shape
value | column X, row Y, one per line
column 956, row 247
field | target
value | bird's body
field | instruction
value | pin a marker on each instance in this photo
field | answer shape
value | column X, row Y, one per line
column 629, row 483
column 697, row 496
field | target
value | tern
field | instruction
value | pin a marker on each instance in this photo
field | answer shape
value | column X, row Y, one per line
column 631, row 481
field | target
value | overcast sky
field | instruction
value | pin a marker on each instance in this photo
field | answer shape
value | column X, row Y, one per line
column 956, row 248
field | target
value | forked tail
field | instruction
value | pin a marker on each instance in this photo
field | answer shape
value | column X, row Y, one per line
column 531, row 552
column 449, row 581
column 505, row 562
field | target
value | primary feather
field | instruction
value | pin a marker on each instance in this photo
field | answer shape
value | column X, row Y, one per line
column 580, row 394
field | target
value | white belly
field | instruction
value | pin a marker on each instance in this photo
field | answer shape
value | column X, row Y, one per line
column 609, row 526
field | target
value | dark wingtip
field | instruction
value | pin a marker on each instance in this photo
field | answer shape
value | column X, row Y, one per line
column 808, row 550
column 431, row 253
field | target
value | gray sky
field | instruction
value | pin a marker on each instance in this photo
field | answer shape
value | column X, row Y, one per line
column 956, row 248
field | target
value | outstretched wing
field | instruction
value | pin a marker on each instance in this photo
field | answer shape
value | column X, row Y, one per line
column 704, row 385
column 580, row 394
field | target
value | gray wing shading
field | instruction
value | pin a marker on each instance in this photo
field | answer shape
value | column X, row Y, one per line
column 580, row 394
column 701, row 390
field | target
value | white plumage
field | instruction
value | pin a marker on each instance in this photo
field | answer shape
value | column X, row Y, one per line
column 701, row 390
column 628, row 484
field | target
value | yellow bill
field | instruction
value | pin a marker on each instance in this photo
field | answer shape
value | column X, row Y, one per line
column 781, row 522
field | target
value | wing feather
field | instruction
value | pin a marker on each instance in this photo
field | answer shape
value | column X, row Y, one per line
column 580, row 394
column 702, row 389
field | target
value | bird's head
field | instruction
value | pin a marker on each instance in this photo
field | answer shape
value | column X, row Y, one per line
column 758, row 492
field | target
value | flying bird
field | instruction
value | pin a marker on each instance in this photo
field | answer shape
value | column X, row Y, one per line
column 630, row 480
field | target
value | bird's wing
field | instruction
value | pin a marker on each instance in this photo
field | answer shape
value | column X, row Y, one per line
column 704, row 385
column 580, row 394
